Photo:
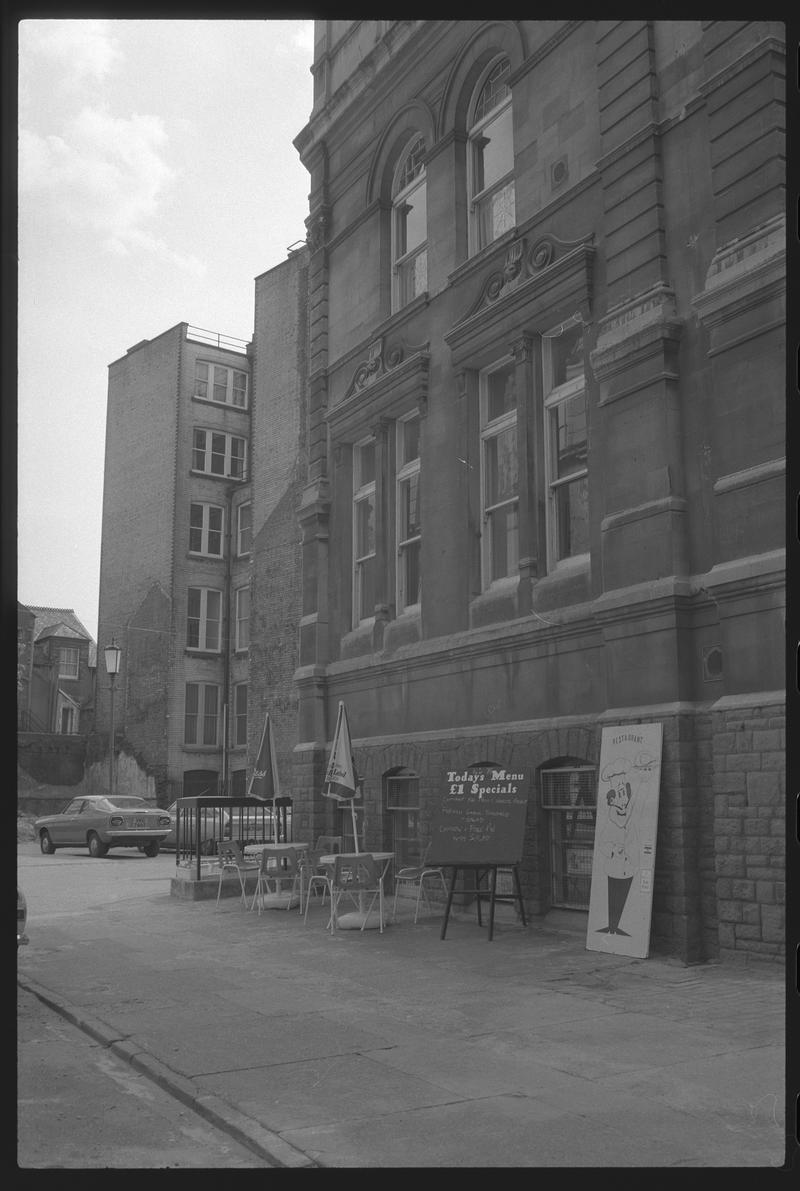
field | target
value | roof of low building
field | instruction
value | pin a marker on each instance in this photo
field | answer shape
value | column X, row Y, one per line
column 57, row 622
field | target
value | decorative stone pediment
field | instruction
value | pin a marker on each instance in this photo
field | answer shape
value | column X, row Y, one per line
column 390, row 379
column 532, row 287
column 523, row 261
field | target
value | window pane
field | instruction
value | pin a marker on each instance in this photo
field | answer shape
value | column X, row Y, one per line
column 504, row 530
column 218, row 454
column 220, row 383
column 240, row 388
column 210, row 716
column 501, row 466
column 193, row 618
column 411, row 589
column 572, row 518
column 365, row 464
column 568, row 420
column 199, row 451
column 415, row 219
column 495, row 151
column 366, row 588
column 410, row 525
column 201, row 380
column 501, row 392
column 494, row 90
column 496, row 214
column 412, row 277
column 190, row 718
column 567, row 355
column 412, row 166
column 196, row 527
column 237, row 457
column 214, row 530
column 213, row 600
column 243, row 618
column 409, row 431
column 365, row 526
column 245, row 528
column 241, row 713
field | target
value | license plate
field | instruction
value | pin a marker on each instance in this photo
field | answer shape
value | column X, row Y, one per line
column 140, row 823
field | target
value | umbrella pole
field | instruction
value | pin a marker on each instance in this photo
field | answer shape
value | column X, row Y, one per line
column 355, row 829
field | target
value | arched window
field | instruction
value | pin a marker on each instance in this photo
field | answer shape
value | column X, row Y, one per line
column 491, row 159
column 409, row 227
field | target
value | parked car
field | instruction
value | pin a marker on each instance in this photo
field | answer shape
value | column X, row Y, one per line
column 213, row 824
column 22, row 918
column 102, row 822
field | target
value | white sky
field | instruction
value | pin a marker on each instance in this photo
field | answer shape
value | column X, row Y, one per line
column 157, row 179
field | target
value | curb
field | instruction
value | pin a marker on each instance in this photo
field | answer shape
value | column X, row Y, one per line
column 267, row 1145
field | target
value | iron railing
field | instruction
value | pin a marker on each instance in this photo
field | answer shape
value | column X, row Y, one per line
column 204, row 820
column 217, row 340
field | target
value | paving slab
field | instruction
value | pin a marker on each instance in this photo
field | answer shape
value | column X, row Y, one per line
column 404, row 1050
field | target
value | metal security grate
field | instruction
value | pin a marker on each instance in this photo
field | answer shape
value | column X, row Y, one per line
column 570, row 795
column 562, row 788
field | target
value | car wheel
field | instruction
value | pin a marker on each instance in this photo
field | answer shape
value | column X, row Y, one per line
column 96, row 846
column 151, row 849
column 46, row 843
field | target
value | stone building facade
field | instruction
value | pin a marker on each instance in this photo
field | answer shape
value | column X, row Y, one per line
column 545, row 438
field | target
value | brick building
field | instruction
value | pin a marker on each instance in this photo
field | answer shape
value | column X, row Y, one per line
column 545, row 437
column 56, row 661
column 199, row 543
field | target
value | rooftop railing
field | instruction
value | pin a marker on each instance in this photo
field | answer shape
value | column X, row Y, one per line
column 200, row 335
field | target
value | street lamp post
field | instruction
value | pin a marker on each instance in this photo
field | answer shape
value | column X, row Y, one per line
column 113, row 659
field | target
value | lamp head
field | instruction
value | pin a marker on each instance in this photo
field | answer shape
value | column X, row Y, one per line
column 113, row 657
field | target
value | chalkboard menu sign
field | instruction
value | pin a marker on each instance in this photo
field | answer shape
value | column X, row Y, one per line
column 481, row 819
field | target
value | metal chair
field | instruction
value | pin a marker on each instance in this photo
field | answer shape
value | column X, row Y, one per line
column 415, row 876
column 231, row 858
column 314, row 874
column 278, row 865
column 356, row 876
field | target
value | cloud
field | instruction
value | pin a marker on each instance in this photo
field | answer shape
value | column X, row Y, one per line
column 289, row 36
column 86, row 49
column 105, row 173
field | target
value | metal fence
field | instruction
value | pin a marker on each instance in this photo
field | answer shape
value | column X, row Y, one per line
column 203, row 821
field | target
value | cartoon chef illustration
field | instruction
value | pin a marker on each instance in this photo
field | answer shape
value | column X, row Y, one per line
column 618, row 842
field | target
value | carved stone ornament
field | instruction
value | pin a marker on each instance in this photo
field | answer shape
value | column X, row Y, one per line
column 522, row 263
column 370, row 369
column 381, row 358
column 317, row 226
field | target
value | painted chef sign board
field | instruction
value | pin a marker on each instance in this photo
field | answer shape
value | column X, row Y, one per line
column 481, row 819
column 621, row 898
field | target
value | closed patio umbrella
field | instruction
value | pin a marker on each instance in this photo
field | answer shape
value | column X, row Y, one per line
column 341, row 778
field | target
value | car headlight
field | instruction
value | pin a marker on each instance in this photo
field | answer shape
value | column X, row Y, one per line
column 164, row 821
column 116, row 821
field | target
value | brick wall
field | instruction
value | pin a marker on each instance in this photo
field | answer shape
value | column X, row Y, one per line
column 750, row 821
column 279, row 468
column 719, row 876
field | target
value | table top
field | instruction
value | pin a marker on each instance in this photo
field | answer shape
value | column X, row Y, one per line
column 254, row 849
column 375, row 856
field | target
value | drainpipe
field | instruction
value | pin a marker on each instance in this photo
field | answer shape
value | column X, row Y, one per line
column 228, row 643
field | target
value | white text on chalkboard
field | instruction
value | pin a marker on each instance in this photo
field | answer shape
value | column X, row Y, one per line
column 501, row 782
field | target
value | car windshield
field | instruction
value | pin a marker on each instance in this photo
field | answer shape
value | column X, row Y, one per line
column 117, row 803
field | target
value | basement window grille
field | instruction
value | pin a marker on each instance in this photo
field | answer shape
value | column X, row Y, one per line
column 569, row 795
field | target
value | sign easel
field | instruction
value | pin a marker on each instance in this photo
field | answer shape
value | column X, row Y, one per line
column 480, row 828
column 480, row 871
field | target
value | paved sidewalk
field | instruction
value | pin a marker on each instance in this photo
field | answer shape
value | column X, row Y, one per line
column 403, row 1050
